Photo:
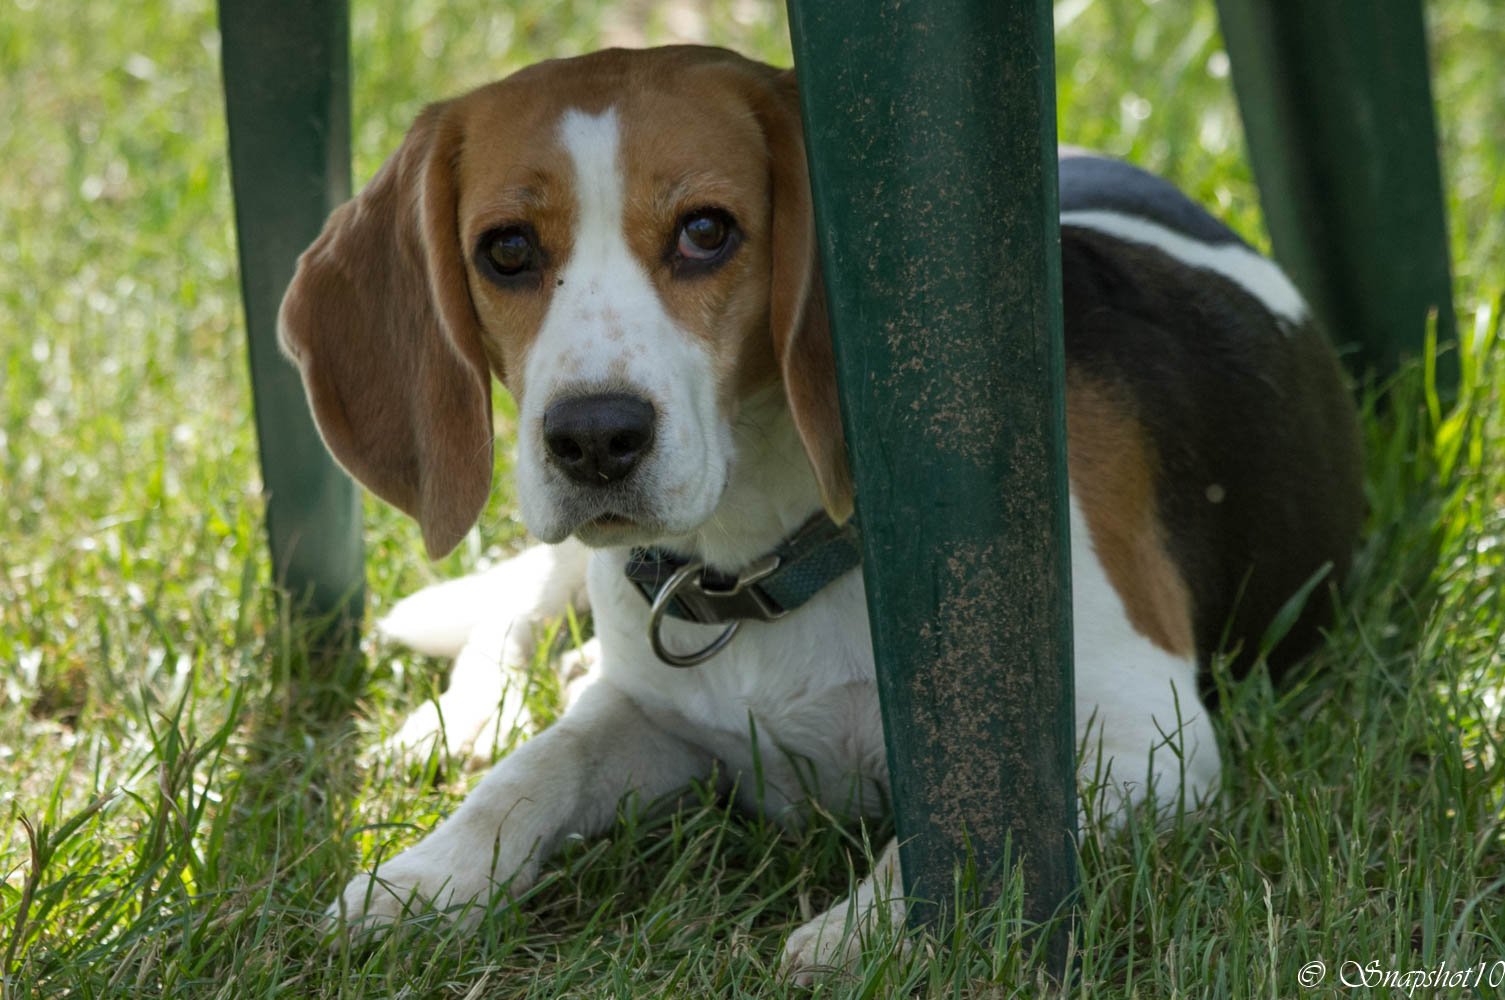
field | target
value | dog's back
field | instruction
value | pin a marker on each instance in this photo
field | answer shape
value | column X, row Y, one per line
column 1240, row 411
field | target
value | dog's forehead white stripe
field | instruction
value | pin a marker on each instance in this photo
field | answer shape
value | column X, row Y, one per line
column 1259, row 276
column 592, row 142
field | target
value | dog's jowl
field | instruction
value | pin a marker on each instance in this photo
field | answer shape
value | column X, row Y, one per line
column 625, row 241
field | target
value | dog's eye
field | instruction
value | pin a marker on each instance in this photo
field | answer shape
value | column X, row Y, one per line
column 705, row 237
column 702, row 235
column 510, row 253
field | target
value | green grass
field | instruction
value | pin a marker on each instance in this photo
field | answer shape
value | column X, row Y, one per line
column 181, row 798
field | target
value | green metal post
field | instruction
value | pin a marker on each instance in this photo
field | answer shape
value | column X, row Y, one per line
column 1337, row 107
column 930, row 127
column 287, row 100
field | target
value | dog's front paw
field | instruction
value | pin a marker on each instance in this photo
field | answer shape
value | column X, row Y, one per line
column 486, row 704
column 414, row 881
column 469, row 725
column 826, row 945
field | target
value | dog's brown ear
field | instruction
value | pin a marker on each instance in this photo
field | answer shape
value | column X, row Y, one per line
column 380, row 322
column 797, row 303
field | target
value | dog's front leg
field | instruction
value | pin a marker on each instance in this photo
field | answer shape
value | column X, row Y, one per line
column 568, row 779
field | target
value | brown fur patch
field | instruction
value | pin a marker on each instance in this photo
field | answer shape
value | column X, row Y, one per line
column 1113, row 470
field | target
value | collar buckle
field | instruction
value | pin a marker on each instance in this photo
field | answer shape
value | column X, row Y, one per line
column 707, row 598
column 801, row 566
column 716, row 585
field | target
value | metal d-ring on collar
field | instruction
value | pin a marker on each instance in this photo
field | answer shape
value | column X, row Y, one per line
column 817, row 554
column 692, row 575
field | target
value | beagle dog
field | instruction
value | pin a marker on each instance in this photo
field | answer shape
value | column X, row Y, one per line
column 625, row 240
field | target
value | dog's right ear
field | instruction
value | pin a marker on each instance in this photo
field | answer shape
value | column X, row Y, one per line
column 380, row 322
column 797, row 302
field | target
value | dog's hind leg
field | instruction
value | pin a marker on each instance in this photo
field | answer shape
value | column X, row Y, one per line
column 832, row 942
column 1143, row 734
column 489, row 622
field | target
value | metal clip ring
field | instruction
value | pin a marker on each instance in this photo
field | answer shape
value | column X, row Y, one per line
column 681, row 576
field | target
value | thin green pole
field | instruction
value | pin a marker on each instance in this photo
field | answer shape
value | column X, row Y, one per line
column 930, row 127
column 1337, row 107
column 287, row 101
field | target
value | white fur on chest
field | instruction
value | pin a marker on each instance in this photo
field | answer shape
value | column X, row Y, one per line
column 804, row 684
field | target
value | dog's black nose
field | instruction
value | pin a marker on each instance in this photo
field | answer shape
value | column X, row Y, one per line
column 597, row 440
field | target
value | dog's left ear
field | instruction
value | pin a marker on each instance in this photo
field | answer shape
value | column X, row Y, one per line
column 797, row 301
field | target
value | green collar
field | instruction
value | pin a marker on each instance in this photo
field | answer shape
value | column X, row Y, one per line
column 800, row 567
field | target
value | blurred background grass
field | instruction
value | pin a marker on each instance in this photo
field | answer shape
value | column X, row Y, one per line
column 132, row 563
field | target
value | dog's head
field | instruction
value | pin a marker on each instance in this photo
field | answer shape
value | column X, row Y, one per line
column 626, row 240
